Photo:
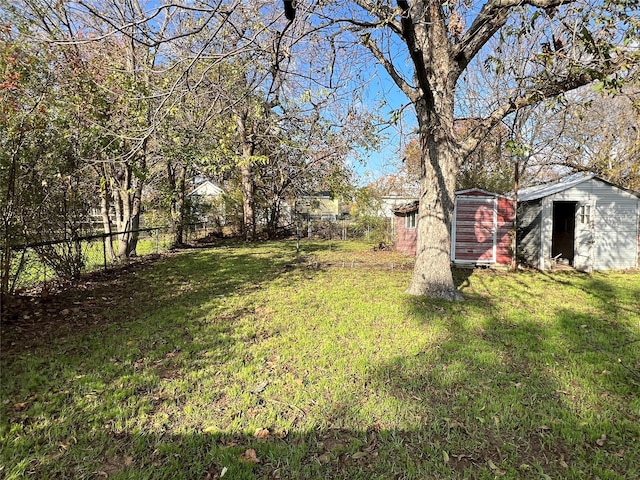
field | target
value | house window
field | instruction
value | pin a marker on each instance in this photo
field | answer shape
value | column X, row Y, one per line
column 410, row 221
column 585, row 214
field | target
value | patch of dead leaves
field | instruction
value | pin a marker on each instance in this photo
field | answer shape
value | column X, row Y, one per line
column 249, row 456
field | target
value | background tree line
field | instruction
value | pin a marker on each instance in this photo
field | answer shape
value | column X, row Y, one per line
column 107, row 103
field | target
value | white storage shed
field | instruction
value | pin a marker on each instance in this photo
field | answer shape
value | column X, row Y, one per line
column 583, row 221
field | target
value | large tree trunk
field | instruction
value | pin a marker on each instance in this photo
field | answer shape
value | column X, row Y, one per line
column 274, row 217
column 177, row 178
column 136, row 210
column 128, row 208
column 432, row 274
column 246, row 173
column 8, row 220
column 123, row 212
column 248, row 201
column 106, row 219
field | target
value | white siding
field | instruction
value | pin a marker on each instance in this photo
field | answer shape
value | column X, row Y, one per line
column 616, row 232
column 615, row 223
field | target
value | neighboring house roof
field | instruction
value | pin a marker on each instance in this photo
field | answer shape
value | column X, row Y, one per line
column 389, row 204
column 551, row 188
column 207, row 189
column 325, row 194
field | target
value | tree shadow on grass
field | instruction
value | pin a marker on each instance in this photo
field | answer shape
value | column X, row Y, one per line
column 487, row 401
column 524, row 396
column 490, row 398
column 175, row 284
column 318, row 454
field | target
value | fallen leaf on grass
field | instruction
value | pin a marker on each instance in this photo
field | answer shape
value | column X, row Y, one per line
column 212, row 476
column 261, row 433
column 249, row 456
column 259, row 387
column 601, row 440
column 445, row 456
column 462, row 456
column 495, row 468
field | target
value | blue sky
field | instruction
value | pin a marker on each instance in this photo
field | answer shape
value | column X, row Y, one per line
column 381, row 89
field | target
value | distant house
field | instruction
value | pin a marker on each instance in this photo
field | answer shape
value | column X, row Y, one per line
column 583, row 221
column 405, row 223
column 207, row 202
column 389, row 203
column 480, row 231
column 319, row 206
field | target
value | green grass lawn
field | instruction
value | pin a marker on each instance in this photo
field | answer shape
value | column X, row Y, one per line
column 247, row 362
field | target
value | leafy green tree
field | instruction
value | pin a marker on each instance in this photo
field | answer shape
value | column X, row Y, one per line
column 44, row 193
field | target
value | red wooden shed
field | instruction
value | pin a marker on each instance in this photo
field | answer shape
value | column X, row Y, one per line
column 481, row 230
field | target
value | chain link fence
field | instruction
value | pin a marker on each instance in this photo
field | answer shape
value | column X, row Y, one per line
column 38, row 263
column 374, row 229
column 42, row 262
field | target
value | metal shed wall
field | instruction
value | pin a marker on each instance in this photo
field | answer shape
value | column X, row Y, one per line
column 481, row 228
column 614, row 223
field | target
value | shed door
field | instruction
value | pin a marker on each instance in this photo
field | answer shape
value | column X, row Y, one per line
column 585, row 236
column 475, row 230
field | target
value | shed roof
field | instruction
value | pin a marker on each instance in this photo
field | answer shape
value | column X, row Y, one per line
column 407, row 208
column 479, row 191
column 551, row 188
column 540, row 191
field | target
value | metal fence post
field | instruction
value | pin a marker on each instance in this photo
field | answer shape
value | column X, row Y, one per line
column 44, row 271
column 104, row 250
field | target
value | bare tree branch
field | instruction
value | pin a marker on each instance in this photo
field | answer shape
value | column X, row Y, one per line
column 491, row 18
column 408, row 90
column 551, row 88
